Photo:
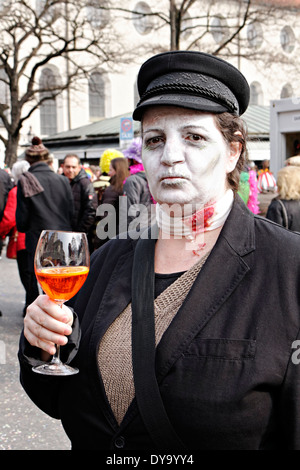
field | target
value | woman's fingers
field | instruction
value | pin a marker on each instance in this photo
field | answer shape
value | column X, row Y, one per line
column 47, row 324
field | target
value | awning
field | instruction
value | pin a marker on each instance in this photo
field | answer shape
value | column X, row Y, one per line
column 258, row 150
column 84, row 152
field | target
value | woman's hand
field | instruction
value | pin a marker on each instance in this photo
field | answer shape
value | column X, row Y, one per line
column 47, row 324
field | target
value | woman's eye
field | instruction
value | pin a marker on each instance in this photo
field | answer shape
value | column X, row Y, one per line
column 151, row 142
column 195, row 138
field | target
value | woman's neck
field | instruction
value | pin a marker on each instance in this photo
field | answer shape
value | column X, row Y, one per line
column 184, row 239
column 176, row 255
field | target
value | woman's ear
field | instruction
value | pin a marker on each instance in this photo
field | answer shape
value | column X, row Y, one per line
column 234, row 154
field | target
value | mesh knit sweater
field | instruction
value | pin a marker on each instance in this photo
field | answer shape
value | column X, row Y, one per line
column 114, row 355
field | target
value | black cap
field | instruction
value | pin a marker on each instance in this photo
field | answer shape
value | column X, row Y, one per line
column 194, row 80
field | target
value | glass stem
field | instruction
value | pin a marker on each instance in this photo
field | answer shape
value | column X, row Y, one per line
column 56, row 357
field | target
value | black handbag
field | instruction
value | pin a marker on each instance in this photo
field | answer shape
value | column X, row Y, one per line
column 147, row 392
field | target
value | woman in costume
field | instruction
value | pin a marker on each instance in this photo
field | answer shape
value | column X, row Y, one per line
column 176, row 345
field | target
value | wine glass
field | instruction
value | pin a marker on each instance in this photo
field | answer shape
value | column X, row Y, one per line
column 61, row 265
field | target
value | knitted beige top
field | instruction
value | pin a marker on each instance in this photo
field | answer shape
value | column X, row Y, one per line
column 114, row 355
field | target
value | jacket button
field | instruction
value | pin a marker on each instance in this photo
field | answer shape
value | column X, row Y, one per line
column 119, row 442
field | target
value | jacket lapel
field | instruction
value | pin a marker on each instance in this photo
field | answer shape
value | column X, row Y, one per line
column 221, row 274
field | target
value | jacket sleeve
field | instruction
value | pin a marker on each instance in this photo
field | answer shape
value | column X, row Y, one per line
column 89, row 204
column 275, row 213
column 43, row 390
column 23, row 211
column 132, row 190
column 9, row 216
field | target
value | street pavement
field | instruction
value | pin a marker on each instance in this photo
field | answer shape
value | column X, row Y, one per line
column 22, row 425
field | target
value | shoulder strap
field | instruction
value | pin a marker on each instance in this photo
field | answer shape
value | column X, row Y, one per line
column 285, row 215
column 148, row 397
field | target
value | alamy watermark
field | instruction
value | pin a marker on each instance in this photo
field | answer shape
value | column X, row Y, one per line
column 296, row 354
column 130, row 221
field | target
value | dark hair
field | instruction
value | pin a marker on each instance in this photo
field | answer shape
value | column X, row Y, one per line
column 120, row 165
column 234, row 129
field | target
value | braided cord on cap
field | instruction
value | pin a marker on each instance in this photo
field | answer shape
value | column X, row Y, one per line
column 190, row 90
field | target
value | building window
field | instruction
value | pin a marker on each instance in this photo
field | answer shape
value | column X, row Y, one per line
column 255, row 35
column 48, row 108
column 256, row 94
column 96, row 96
column 218, row 29
column 142, row 19
column 287, row 91
column 48, row 14
column 287, row 39
column 96, row 16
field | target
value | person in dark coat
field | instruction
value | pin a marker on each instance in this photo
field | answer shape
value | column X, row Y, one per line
column 285, row 208
column 44, row 201
column 180, row 342
column 85, row 197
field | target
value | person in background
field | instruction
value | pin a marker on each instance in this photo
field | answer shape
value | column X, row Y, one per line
column 266, row 181
column 103, row 179
column 44, row 201
column 284, row 209
column 8, row 227
column 118, row 172
column 7, row 184
column 96, row 172
column 294, row 161
column 136, row 188
column 2, row 198
column 85, row 197
column 180, row 342
column 266, row 186
column 248, row 189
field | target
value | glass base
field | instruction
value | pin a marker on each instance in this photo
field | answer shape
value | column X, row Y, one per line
column 55, row 369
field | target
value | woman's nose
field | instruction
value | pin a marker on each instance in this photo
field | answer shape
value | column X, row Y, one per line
column 173, row 153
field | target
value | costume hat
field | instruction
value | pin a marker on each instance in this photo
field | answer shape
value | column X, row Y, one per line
column 194, row 80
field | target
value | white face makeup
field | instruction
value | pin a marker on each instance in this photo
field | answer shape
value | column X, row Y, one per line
column 185, row 156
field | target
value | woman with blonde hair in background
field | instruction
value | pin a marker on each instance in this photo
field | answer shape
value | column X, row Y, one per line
column 285, row 208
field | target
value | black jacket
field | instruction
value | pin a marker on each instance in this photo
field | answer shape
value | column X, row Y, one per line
column 275, row 213
column 85, row 202
column 227, row 367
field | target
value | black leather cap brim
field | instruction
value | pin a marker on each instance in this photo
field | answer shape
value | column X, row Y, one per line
column 182, row 101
